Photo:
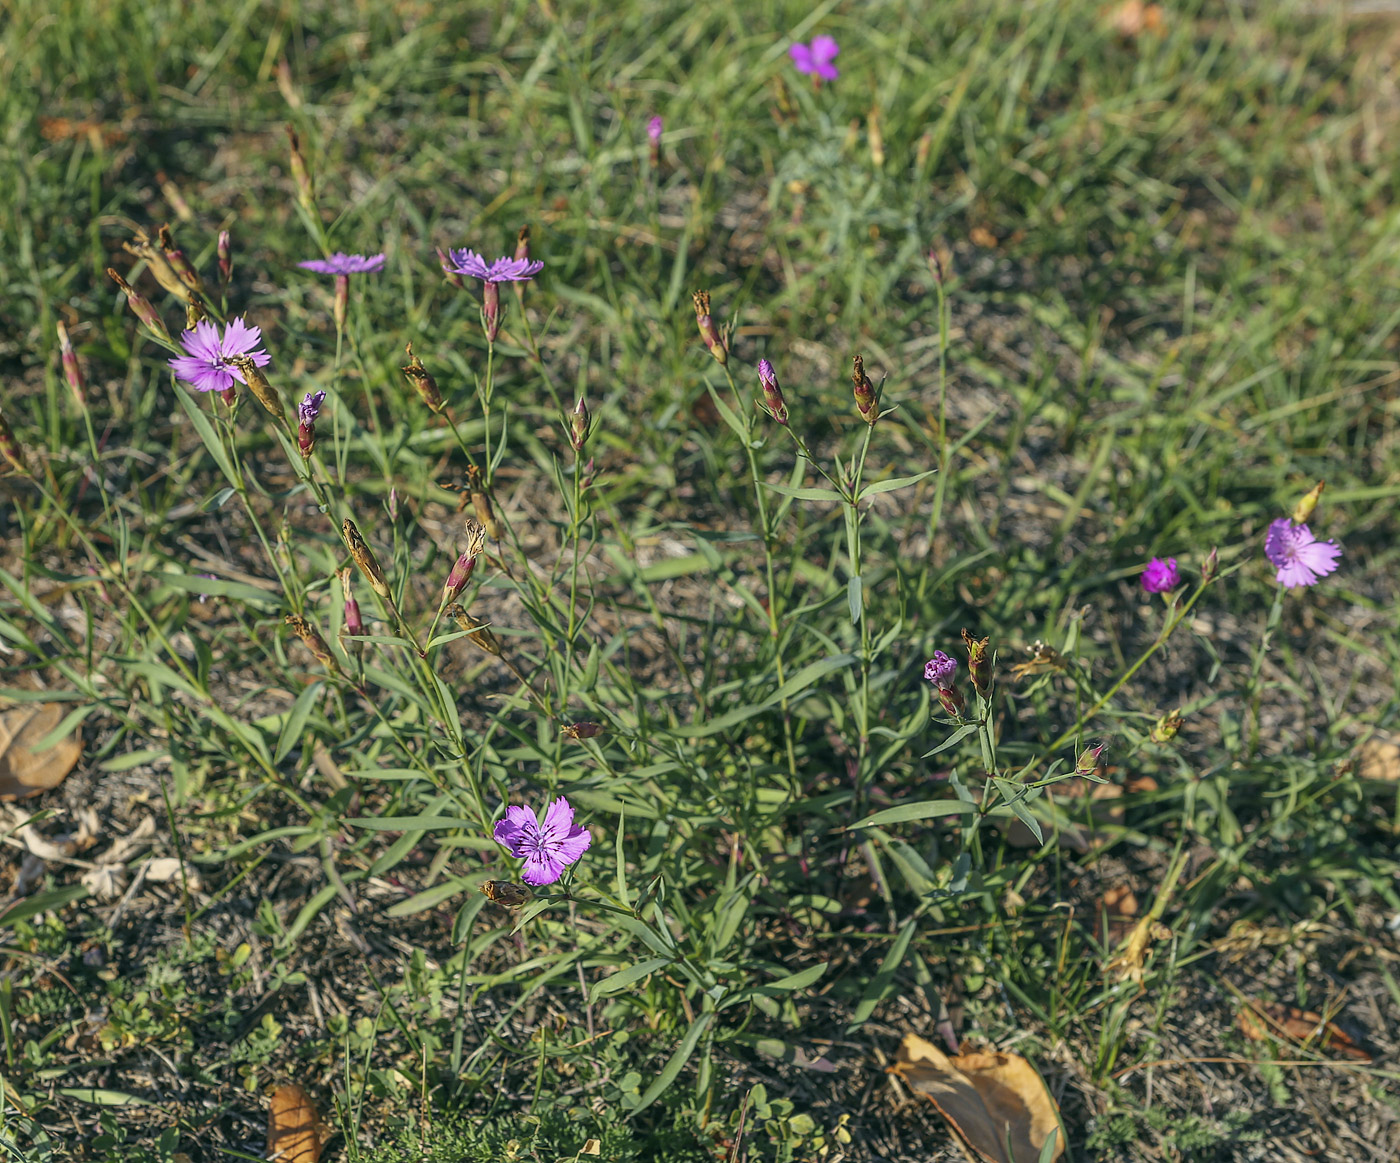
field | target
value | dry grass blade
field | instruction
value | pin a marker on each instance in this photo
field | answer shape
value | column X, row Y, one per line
column 295, row 1132
column 996, row 1103
column 24, row 769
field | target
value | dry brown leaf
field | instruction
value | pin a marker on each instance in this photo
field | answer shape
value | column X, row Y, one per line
column 988, row 1098
column 1261, row 1019
column 1120, row 906
column 1379, row 759
column 295, row 1132
column 25, row 771
column 981, row 236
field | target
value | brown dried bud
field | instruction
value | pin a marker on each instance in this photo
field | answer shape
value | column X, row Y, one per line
column 158, row 264
column 522, row 254
column 1165, row 729
column 258, row 385
column 1304, row 509
column 423, row 383
column 140, row 306
column 364, row 557
column 708, row 331
column 866, row 401
column 69, row 358
column 314, row 642
column 194, row 314
column 979, row 664
column 584, row 730
column 481, row 503
column 478, row 632
column 10, row 450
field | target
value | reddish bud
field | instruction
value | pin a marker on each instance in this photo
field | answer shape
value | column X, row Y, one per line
column 140, row 306
column 342, row 301
column 491, row 309
column 772, row 393
column 225, row 258
column 708, row 331
column 866, row 402
column 578, row 425
column 69, row 358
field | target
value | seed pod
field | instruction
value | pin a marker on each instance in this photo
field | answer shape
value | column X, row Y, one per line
column 578, row 425
column 1304, row 509
column 158, row 265
column 364, row 557
column 258, row 385
column 1165, row 729
column 481, row 503
column 178, row 262
column 423, row 383
column 225, row 258
column 478, row 632
column 314, row 642
column 491, row 309
column 583, row 730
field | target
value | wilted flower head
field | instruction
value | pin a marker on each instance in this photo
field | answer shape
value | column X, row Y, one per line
column 344, row 264
column 1300, row 557
column 310, row 407
column 546, row 847
column 816, row 57
column 207, row 366
column 772, row 392
column 503, row 270
column 1160, row 576
column 940, row 669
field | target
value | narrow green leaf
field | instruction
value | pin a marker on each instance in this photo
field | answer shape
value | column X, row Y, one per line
column 625, row 977
column 673, row 1067
column 955, row 738
column 927, row 810
column 889, row 486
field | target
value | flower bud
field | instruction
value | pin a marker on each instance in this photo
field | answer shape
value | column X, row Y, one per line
column 461, row 572
column 578, row 425
column 354, row 624
column 481, row 503
column 306, row 190
column 583, row 730
column 979, row 664
column 194, row 314
column 178, row 262
column 342, row 301
column 314, row 642
column 258, row 385
column 1211, row 566
column 10, row 450
column 935, row 266
column 225, row 258
column 1165, row 729
column 866, row 402
column 141, row 306
column 1089, row 759
column 69, row 358
column 772, row 393
column 708, row 331
column 423, row 383
column 307, row 411
column 364, row 557
column 655, row 127
column 1304, row 509
column 952, row 701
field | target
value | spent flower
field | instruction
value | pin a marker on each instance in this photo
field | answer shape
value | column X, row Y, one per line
column 547, row 846
column 1300, row 557
column 307, row 411
column 772, row 392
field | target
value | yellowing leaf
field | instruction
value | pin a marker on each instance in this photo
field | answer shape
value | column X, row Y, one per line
column 25, row 770
column 994, row 1102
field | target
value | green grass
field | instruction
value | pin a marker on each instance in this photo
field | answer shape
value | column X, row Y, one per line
column 1168, row 311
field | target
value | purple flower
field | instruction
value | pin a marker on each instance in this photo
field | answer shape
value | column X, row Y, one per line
column 546, row 848
column 654, row 127
column 816, row 57
column 503, row 270
column 1301, row 558
column 310, row 407
column 1160, row 576
column 344, row 264
column 205, row 367
column 939, row 669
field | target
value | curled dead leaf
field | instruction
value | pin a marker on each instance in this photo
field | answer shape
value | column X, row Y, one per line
column 295, row 1132
column 1260, row 1020
column 24, row 769
column 995, row 1103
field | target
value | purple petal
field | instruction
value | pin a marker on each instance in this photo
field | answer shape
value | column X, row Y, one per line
column 320, row 265
column 541, row 868
column 467, row 262
column 240, row 338
column 827, row 72
column 558, row 818
column 824, row 49
column 203, row 341
column 518, row 825
column 574, row 845
column 802, row 58
column 1278, row 540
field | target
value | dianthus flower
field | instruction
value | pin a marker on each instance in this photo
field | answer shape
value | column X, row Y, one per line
column 1300, row 557
column 344, row 264
column 205, row 367
column 1160, row 576
column 503, row 270
column 940, row 668
column 545, row 847
column 816, row 57
column 654, row 129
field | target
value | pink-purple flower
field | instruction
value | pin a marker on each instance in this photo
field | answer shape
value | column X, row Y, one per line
column 654, row 128
column 310, row 407
column 503, row 270
column 344, row 264
column 940, row 669
column 205, row 365
column 546, row 847
column 1160, row 576
column 1300, row 557
column 816, row 57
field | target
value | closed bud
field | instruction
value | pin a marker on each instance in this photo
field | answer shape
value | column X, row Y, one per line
column 178, row 262
column 306, row 191
column 342, row 301
column 354, row 624
column 583, row 730
column 259, row 386
column 423, row 383
column 1211, row 566
column 1165, row 729
column 225, row 258
column 141, row 306
column 491, row 309
column 578, row 425
column 979, row 663
column 772, row 393
column 314, row 642
column 1088, row 761
column 69, row 358
column 935, row 266
column 10, row 450
column 363, row 556
column 866, row 402
column 952, row 700
column 708, row 331
column 307, row 411
column 1304, row 509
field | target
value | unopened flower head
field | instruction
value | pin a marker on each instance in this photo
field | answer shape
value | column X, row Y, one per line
column 461, row 572
column 709, row 332
column 69, row 358
column 363, row 556
column 772, row 392
column 206, row 366
column 654, row 129
column 481, row 503
column 314, row 642
column 547, row 846
column 479, row 633
column 1160, row 576
column 579, row 421
column 866, row 401
column 816, row 58
column 178, row 262
column 1165, row 729
column 1089, row 759
column 225, row 257
column 1304, row 509
column 979, row 663
column 354, row 624
column 258, row 385
column 154, row 257
column 344, row 264
column 140, row 306
column 1300, row 557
